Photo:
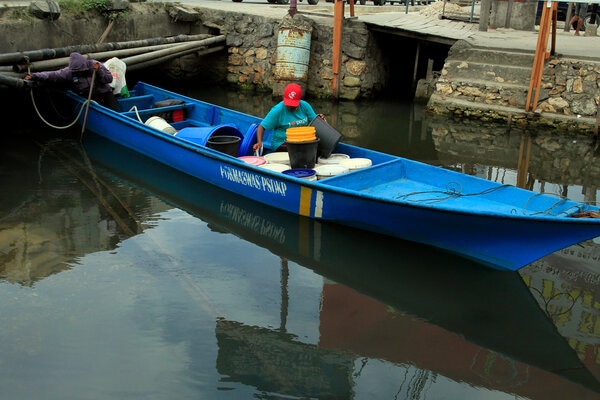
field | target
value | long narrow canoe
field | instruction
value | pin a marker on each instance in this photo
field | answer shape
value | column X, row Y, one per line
column 500, row 226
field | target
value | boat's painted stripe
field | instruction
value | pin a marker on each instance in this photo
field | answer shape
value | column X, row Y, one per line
column 305, row 195
column 319, row 205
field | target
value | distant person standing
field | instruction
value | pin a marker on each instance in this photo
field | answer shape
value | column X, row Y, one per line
column 78, row 77
column 580, row 11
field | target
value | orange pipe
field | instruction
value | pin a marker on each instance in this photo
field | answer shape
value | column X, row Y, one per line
column 338, row 17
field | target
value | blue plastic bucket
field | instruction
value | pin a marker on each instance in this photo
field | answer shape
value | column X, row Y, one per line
column 200, row 135
column 303, row 173
column 246, row 147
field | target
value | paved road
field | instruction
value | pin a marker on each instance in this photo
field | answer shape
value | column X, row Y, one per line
column 417, row 20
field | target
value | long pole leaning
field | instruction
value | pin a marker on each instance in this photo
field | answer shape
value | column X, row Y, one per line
column 338, row 17
column 89, row 99
column 539, row 58
column 87, row 105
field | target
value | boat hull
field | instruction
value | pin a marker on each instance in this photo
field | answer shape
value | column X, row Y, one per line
column 395, row 196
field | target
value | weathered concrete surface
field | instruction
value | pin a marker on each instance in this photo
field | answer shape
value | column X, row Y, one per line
column 20, row 31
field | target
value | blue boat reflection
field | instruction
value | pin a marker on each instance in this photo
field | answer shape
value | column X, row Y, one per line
column 468, row 323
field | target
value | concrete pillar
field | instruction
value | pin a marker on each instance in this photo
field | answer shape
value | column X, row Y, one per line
column 591, row 30
column 484, row 15
column 519, row 15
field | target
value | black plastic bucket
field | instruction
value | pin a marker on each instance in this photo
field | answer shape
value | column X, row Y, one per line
column 225, row 144
column 303, row 154
column 327, row 135
column 201, row 134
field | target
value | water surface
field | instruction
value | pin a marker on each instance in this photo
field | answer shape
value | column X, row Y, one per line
column 124, row 279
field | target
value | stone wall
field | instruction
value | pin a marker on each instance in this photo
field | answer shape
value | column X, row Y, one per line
column 572, row 88
column 252, row 46
column 493, row 86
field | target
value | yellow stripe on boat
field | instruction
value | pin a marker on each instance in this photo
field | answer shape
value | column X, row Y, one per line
column 305, row 195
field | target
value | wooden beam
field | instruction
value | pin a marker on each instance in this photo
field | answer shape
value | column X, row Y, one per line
column 541, row 55
column 338, row 18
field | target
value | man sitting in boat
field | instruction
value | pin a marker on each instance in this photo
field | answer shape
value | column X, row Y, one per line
column 291, row 112
column 79, row 74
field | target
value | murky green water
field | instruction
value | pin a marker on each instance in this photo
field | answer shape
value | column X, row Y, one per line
column 123, row 279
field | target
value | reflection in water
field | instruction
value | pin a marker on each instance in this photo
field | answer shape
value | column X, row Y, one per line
column 523, row 167
column 53, row 221
column 561, row 165
column 274, row 362
column 418, row 286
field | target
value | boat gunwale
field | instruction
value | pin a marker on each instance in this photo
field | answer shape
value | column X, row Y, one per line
column 328, row 185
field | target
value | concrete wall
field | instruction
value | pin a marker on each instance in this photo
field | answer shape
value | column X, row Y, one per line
column 519, row 14
column 21, row 32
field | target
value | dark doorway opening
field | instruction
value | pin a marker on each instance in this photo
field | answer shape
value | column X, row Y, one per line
column 406, row 60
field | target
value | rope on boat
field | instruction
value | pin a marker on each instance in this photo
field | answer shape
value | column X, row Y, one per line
column 134, row 108
column 454, row 191
column 39, row 114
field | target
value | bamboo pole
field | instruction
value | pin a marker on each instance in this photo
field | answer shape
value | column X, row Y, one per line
column 146, row 64
column 87, row 105
column 89, row 99
column 56, row 63
column 10, row 81
column 173, row 50
column 45, row 54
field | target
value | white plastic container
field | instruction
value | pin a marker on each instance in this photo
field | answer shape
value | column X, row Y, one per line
column 275, row 167
column 279, row 157
column 327, row 170
column 161, row 125
column 334, row 158
column 356, row 163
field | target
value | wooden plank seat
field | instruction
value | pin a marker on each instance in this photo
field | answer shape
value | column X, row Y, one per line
column 157, row 111
column 141, row 102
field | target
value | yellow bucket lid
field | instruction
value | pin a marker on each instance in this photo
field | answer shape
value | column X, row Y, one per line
column 301, row 134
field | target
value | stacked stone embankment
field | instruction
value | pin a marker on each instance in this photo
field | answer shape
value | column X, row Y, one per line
column 252, row 46
column 493, row 85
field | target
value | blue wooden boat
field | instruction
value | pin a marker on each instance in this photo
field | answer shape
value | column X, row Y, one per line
column 497, row 225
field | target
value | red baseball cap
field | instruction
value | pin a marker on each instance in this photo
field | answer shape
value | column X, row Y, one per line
column 292, row 95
